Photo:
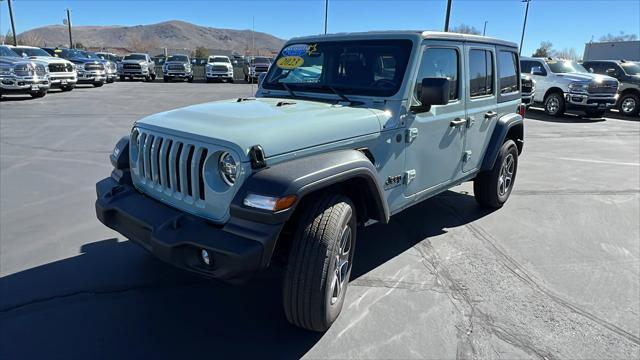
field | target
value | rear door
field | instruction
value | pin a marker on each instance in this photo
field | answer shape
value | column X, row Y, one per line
column 481, row 104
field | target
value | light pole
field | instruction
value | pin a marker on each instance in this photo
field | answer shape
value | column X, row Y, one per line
column 326, row 14
column 524, row 25
column 13, row 25
column 446, row 20
column 69, row 26
column 484, row 31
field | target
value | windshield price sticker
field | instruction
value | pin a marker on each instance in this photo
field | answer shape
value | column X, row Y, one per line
column 289, row 62
column 295, row 50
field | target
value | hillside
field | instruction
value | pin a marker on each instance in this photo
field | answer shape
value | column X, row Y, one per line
column 170, row 34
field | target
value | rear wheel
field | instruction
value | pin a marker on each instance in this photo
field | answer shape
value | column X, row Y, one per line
column 492, row 188
column 122, row 78
column 594, row 112
column 98, row 84
column 554, row 104
column 110, row 80
column 629, row 104
column 68, row 87
column 320, row 261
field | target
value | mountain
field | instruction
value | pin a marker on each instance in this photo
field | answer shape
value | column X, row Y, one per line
column 171, row 34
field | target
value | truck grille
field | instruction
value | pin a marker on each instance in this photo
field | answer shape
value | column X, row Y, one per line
column 131, row 66
column 169, row 165
column 262, row 68
column 219, row 68
column 605, row 87
column 176, row 67
column 60, row 68
column 91, row 67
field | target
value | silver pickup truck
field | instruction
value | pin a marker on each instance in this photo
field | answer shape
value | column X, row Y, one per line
column 138, row 66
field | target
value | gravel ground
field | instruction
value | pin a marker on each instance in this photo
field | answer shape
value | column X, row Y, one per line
column 553, row 274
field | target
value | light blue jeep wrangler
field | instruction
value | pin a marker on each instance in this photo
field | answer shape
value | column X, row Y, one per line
column 344, row 129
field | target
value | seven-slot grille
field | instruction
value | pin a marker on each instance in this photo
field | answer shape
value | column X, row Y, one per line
column 604, row 87
column 91, row 67
column 170, row 165
column 131, row 66
column 176, row 67
column 220, row 68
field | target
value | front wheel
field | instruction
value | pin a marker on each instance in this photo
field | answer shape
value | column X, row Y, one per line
column 492, row 188
column 554, row 104
column 319, row 264
column 629, row 105
column 68, row 87
column 38, row 94
column 190, row 79
column 122, row 78
column 98, row 84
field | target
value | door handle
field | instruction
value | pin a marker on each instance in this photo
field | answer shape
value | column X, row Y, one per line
column 457, row 122
column 490, row 114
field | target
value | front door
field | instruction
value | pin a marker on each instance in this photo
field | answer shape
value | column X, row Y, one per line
column 434, row 156
column 480, row 102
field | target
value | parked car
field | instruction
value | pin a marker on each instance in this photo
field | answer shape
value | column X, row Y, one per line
column 219, row 68
column 113, row 65
column 628, row 74
column 62, row 73
column 22, row 76
column 255, row 66
column 564, row 85
column 90, row 71
column 226, row 188
column 528, row 89
column 177, row 67
column 138, row 65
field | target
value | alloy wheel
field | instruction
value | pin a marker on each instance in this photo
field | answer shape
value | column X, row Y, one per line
column 505, row 178
column 341, row 266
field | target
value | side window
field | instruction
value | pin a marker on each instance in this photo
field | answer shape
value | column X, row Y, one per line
column 440, row 62
column 508, row 71
column 480, row 73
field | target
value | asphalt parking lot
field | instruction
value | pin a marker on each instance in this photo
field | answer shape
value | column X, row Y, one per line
column 553, row 274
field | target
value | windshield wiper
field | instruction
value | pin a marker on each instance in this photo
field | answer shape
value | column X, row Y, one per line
column 286, row 87
column 341, row 95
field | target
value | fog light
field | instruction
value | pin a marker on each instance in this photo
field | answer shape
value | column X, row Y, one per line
column 204, row 255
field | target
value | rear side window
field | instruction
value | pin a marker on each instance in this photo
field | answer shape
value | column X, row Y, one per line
column 508, row 72
column 440, row 63
column 480, row 73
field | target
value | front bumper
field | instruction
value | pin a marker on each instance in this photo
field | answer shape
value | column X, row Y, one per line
column 62, row 79
column 236, row 248
column 89, row 77
column 135, row 72
column 590, row 101
column 178, row 74
column 24, row 85
column 219, row 74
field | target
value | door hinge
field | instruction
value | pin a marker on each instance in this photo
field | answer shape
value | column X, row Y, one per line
column 409, row 176
column 467, row 156
column 470, row 121
column 412, row 133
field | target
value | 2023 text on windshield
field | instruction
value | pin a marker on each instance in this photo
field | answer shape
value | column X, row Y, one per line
column 358, row 67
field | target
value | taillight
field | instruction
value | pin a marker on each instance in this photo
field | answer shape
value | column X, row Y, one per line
column 521, row 110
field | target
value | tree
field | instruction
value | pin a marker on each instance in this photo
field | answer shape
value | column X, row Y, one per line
column 30, row 39
column 201, row 52
column 617, row 38
column 79, row 46
column 8, row 39
column 545, row 50
column 566, row 53
column 466, row 29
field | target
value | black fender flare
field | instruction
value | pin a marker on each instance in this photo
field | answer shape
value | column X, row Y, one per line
column 305, row 175
column 510, row 124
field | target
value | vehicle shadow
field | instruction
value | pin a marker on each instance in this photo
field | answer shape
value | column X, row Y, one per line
column 567, row 118
column 114, row 301
column 9, row 98
column 615, row 114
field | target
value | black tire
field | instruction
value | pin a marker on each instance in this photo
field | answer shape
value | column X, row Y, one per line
column 147, row 78
column 165, row 79
column 111, row 81
column 190, row 79
column 231, row 81
column 122, row 78
column 208, row 80
column 487, row 185
column 629, row 105
column 327, row 226
column 38, row 94
column 98, row 84
column 595, row 113
column 554, row 104
column 68, row 87
column 246, row 78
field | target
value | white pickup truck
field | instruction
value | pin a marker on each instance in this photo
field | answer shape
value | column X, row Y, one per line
column 565, row 85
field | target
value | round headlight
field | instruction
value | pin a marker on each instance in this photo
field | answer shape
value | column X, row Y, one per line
column 228, row 167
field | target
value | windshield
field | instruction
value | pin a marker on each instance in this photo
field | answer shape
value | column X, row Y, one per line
column 135, row 57
column 32, row 51
column 562, row 67
column 5, row 51
column 90, row 55
column 260, row 60
column 68, row 53
column 219, row 59
column 631, row 68
column 367, row 67
column 181, row 58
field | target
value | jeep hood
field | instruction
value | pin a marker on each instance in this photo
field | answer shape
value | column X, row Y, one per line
column 278, row 129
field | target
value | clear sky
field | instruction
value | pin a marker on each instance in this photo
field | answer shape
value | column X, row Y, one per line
column 566, row 23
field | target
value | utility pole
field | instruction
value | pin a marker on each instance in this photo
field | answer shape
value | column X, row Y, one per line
column 69, row 26
column 326, row 14
column 446, row 21
column 484, row 31
column 13, row 25
column 524, row 26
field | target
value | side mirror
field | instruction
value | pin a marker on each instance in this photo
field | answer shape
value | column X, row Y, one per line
column 537, row 70
column 590, row 70
column 432, row 91
column 261, row 77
